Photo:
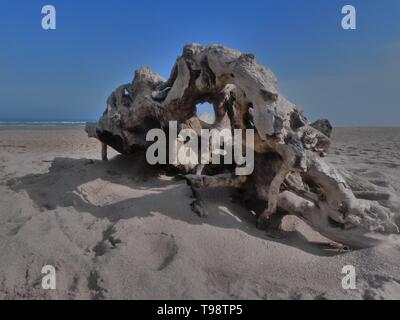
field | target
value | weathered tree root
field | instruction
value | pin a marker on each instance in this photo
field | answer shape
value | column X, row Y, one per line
column 289, row 171
column 104, row 155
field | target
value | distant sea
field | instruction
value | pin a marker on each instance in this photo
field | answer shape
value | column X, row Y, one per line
column 41, row 123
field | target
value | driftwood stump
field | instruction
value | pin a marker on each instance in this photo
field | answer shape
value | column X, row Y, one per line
column 290, row 173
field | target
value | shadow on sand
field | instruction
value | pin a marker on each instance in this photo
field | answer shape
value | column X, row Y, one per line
column 127, row 187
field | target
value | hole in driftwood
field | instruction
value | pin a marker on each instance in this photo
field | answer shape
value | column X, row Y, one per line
column 205, row 112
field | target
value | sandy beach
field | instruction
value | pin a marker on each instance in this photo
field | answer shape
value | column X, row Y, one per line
column 119, row 230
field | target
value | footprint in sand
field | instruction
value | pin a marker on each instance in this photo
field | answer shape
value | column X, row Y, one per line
column 157, row 250
column 18, row 225
column 381, row 288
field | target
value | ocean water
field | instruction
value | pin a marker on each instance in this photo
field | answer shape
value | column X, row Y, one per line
column 41, row 123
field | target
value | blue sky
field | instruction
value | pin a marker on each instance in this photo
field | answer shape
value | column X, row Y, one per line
column 350, row 77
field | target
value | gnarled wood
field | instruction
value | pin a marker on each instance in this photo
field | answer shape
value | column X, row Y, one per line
column 289, row 174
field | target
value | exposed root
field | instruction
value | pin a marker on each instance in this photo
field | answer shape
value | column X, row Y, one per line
column 289, row 174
